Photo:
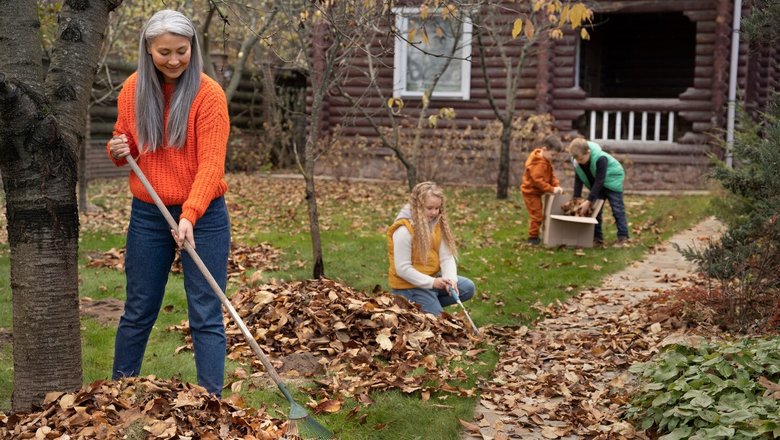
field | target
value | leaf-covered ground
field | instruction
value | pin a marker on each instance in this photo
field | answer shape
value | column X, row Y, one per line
column 568, row 377
column 142, row 408
column 345, row 342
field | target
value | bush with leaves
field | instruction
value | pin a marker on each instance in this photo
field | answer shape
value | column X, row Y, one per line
column 746, row 261
column 715, row 391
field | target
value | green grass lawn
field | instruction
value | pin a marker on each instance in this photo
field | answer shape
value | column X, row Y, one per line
column 510, row 276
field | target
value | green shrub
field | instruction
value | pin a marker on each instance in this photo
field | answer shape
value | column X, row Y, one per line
column 711, row 392
column 745, row 261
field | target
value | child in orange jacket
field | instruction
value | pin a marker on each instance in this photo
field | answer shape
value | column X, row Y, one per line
column 538, row 179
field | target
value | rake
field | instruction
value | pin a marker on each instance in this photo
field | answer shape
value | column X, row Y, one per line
column 455, row 295
column 300, row 422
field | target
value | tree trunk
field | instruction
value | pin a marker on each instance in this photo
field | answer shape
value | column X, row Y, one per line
column 502, row 192
column 82, row 179
column 41, row 133
column 323, row 65
column 318, row 266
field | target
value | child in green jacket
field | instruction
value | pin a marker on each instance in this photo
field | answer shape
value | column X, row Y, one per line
column 604, row 176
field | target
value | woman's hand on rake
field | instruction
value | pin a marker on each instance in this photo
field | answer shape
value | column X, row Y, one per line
column 185, row 232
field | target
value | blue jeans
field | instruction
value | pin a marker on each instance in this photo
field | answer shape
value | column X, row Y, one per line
column 433, row 301
column 150, row 252
column 618, row 211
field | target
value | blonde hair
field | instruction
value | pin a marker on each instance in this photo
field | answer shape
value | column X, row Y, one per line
column 421, row 240
column 578, row 146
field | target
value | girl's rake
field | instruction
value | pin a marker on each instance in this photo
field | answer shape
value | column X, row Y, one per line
column 455, row 295
column 300, row 422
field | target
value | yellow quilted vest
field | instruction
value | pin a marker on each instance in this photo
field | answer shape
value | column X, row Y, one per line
column 430, row 267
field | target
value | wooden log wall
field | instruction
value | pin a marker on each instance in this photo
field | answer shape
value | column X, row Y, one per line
column 548, row 80
column 549, row 85
column 473, row 114
column 763, row 77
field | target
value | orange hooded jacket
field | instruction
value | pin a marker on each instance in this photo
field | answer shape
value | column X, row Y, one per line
column 538, row 177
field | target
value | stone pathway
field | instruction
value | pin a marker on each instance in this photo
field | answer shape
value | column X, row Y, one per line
column 661, row 269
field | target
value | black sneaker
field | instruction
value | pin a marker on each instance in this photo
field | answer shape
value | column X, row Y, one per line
column 534, row 241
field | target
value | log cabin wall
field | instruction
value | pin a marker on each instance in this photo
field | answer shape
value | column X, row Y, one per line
column 694, row 116
column 471, row 114
column 464, row 135
column 763, row 76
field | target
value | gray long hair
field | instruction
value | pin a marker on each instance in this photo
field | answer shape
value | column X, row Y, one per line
column 148, row 90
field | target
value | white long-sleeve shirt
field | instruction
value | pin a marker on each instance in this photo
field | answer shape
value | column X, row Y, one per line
column 402, row 258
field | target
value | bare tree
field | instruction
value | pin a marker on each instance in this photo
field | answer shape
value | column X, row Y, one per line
column 328, row 34
column 42, row 123
column 514, row 32
column 446, row 27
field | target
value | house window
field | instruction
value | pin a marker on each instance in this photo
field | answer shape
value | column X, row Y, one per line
column 436, row 42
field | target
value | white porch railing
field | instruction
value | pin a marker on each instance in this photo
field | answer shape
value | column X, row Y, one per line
column 637, row 127
column 643, row 120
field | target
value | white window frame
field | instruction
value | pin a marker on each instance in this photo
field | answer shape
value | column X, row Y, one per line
column 402, row 47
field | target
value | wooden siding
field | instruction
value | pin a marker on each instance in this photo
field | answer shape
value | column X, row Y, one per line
column 549, row 85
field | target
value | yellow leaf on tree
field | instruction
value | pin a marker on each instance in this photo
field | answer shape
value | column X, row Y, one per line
column 556, row 34
column 412, row 34
column 424, row 12
column 447, row 11
column 529, row 29
column 439, row 32
column 584, row 34
column 425, row 36
column 538, row 5
column 579, row 13
column 517, row 27
column 565, row 12
column 432, row 120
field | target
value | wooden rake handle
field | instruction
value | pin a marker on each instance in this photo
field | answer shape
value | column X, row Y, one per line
column 206, row 274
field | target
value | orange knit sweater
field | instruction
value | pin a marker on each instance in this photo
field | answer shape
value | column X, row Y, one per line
column 193, row 175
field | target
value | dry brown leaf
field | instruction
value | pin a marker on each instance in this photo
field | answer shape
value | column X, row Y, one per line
column 470, row 427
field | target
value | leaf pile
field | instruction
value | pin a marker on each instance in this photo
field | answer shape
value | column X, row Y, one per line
column 366, row 343
column 570, row 207
column 141, row 408
column 260, row 257
column 567, row 376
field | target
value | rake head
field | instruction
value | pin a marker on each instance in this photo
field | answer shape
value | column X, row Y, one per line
column 301, row 425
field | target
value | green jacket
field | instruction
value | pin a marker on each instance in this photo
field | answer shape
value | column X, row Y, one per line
column 615, row 174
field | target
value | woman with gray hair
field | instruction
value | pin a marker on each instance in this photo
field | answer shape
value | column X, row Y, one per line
column 174, row 121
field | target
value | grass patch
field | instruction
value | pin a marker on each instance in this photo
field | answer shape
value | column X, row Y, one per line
column 510, row 277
